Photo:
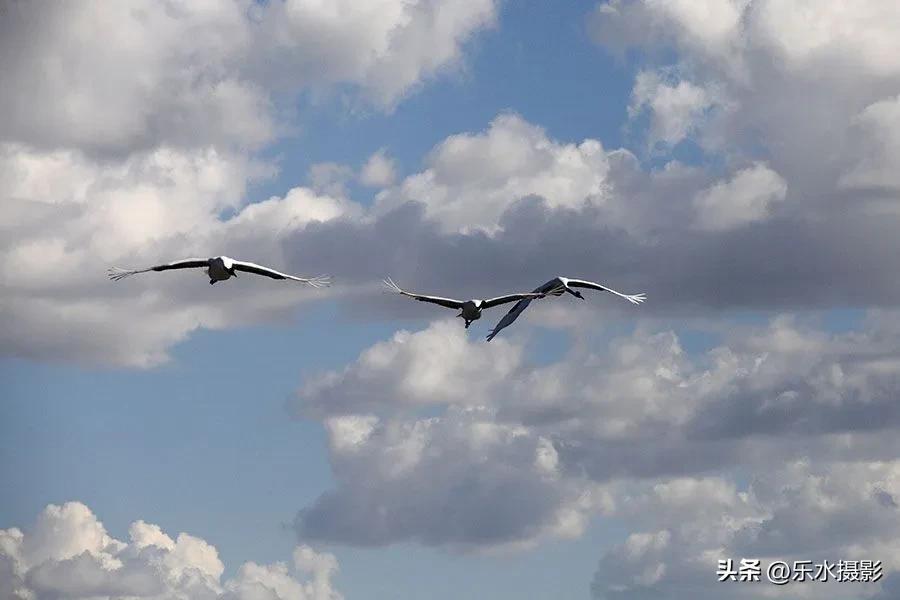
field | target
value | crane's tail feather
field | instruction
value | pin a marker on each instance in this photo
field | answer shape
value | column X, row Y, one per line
column 116, row 273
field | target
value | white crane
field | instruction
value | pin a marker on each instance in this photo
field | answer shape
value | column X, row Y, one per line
column 557, row 287
column 470, row 310
column 220, row 268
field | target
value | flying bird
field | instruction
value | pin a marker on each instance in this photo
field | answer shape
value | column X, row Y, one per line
column 220, row 268
column 470, row 310
column 557, row 287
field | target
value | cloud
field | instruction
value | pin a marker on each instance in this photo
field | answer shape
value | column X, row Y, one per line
column 132, row 76
column 676, row 232
column 68, row 554
column 795, row 511
column 595, row 424
column 676, row 109
column 417, row 369
column 128, row 137
column 777, row 74
column 784, row 376
column 472, row 179
column 75, row 216
column 746, row 198
column 876, row 145
column 445, row 481
column 386, row 47
column 330, row 178
column 521, row 205
column 141, row 74
column 380, row 170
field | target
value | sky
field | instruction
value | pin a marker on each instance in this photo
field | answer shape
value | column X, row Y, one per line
column 162, row 438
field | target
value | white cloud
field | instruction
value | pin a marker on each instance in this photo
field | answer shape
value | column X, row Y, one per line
column 779, row 71
column 446, row 481
column 299, row 207
column 68, row 554
column 330, row 178
column 616, row 218
column 876, row 141
column 676, row 108
column 75, row 216
column 593, row 425
column 472, row 179
column 798, row 510
column 386, row 47
column 709, row 26
column 278, row 583
column 143, row 73
column 748, row 197
column 421, row 368
column 127, row 138
column 380, row 170
column 858, row 35
column 115, row 78
column 636, row 388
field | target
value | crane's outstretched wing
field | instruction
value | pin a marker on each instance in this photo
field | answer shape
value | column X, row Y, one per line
column 510, row 298
column 554, row 287
column 115, row 273
column 633, row 298
column 509, row 317
column 249, row 267
column 448, row 302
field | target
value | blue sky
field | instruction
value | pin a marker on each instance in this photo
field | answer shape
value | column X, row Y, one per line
column 534, row 65
column 594, row 449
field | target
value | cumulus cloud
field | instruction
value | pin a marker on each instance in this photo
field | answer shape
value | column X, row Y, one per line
column 745, row 198
column 74, row 216
column 676, row 109
column 511, row 199
column 121, row 77
column 784, row 376
column 380, row 170
column 385, row 47
column 779, row 73
column 68, row 554
column 472, row 179
column 676, row 232
column 876, row 145
column 330, row 178
column 418, row 369
column 598, row 425
column 139, row 74
column 795, row 511
column 504, row 198
column 128, row 136
column 446, row 481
